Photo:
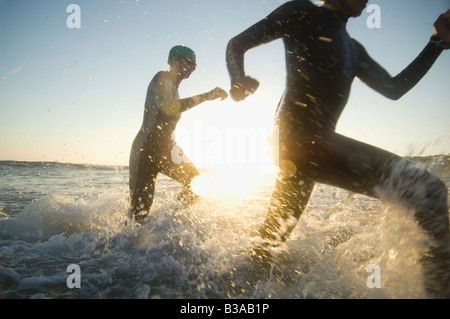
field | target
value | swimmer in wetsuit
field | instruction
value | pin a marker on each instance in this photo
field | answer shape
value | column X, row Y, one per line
column 322, row 60
column 153, row 150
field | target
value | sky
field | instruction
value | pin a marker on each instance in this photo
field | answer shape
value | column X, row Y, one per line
column 77, row 94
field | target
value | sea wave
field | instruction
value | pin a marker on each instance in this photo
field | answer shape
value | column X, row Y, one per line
column 201, row 251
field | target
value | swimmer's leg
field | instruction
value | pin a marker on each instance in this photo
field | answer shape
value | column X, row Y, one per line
column 142, row 188
column 426, row 196
column 361, row 168
column 183, row 172
column 289, row 200
column 142, row 199
column 368, row 170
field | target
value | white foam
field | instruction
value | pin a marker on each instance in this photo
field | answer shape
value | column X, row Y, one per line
column 196, row 252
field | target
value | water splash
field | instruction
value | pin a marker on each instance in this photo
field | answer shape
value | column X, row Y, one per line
column 201, row 251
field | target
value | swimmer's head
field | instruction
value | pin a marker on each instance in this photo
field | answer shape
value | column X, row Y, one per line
column 180, row 51
column 183, row 59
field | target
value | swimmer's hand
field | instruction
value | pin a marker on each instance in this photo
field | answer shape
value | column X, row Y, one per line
column 441, row 29
column 243, row 88
column 217, row 93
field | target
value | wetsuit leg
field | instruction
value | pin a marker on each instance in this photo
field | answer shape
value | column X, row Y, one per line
column 340, row 161
column 346, row 163
column 289, row 200
column 368, row 170
column 183, row 172
column 142, row 188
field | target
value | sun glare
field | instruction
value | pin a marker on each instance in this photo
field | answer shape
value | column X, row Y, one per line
column 233, row 145
column 201, row 185
column 237, row 181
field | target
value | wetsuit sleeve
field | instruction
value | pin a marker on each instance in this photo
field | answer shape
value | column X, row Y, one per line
column 177, row 106
column 170, row 104
column 268, row 29
column 372, row 74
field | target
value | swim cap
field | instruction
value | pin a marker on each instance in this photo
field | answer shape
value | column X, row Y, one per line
column 179, row 50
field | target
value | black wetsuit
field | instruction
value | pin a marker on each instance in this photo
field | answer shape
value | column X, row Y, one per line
column 153, row 150
column 322, row 60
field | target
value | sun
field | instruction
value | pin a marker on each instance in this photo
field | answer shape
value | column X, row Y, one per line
column 201, row 185
column 243, row 180
column 231, row 144
column 237, row 181
column 238, row 161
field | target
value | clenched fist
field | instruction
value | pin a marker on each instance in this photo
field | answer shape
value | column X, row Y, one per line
column 243, row 88
column 441, row 28
column 217, row 93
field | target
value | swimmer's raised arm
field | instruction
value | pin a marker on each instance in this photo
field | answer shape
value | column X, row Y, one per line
column 371, row 73
column 172, row 105
column 268, row 29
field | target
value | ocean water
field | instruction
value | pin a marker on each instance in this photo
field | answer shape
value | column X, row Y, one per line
column 54, row 215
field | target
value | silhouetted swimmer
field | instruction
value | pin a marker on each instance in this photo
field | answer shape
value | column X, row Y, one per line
column 322, row 60
column 153, row 150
